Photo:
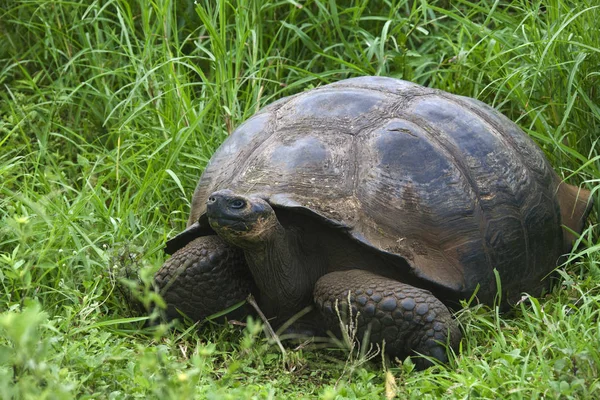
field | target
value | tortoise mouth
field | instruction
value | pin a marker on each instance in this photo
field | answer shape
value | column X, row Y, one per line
column 220, row 222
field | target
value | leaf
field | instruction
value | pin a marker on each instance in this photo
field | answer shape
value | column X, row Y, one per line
column 390, row 385
column 176, row 179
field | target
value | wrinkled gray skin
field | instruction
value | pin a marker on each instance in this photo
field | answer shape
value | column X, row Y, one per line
column 398, row 198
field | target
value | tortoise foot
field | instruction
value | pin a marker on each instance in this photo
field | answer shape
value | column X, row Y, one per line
column 202, row 278
column 410, row 320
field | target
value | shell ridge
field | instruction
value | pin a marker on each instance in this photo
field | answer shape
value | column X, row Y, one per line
column 509, row 142
column 452, row 151
column 534, row 197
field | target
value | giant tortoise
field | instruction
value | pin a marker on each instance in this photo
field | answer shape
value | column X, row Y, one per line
column 396, row 198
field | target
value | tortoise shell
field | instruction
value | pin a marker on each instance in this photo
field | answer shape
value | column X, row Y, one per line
column 443, row 181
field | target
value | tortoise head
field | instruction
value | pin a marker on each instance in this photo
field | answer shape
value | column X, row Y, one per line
column 243, row 221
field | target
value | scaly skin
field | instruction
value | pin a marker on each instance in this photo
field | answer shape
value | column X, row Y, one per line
column 204, row 277
column 409, row 319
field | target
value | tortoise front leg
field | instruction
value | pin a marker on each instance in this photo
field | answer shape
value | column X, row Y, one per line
column 202, row 278
column 409, row 319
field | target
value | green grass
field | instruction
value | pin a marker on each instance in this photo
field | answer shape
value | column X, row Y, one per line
column 109, row 111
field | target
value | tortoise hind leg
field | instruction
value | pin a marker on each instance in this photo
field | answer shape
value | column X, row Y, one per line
column 575, row 206
column 409, row 319
column 202, row 278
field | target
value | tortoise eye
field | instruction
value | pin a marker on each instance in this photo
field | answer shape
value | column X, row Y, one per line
column 237, row 204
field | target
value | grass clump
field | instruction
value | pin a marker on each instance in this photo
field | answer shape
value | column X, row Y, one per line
column 109, row 112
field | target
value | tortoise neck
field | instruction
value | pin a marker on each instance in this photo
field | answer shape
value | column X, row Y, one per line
column 283, row 270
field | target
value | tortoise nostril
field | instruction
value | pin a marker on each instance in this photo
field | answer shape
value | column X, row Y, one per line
column 212, row 199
